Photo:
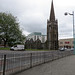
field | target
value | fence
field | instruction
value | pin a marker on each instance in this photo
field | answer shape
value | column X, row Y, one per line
column 13, row 63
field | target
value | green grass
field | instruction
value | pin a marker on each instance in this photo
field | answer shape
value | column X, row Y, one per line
column 4, row 48
column 7, row 48
column 36, row 50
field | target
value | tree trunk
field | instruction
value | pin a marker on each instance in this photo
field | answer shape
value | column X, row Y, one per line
column 5, row 42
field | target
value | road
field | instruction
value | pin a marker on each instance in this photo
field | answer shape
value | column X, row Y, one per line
column 63, row 66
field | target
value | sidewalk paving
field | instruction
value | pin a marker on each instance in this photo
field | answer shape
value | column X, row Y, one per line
column 63, row 66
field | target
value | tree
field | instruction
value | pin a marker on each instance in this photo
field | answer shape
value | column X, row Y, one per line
column 9, row 29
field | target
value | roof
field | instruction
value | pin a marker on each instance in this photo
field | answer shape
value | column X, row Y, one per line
column 67, row 39
column 52, row 14
column 35, row 33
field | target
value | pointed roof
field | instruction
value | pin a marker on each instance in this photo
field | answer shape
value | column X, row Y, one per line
column 52, row 14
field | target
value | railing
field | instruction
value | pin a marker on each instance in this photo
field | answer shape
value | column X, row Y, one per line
column 18, row 62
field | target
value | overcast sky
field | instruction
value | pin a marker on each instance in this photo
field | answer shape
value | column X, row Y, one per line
column 33, row 15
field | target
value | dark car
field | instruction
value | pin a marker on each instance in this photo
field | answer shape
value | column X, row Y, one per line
column 62, row 49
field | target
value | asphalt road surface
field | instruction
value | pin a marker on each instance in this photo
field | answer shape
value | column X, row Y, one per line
column 63, row 66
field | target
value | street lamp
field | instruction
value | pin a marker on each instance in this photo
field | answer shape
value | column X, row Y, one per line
column 72, row 14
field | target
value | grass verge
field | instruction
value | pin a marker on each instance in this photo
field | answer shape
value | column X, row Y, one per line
column 4, row 48
column 36, row 50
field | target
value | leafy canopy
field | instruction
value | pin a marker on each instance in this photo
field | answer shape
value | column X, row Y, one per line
column 9, row 29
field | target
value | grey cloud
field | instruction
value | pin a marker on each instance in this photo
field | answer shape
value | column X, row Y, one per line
column 33, row 14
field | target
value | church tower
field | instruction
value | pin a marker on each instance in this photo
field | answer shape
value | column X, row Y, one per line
column 52, row 30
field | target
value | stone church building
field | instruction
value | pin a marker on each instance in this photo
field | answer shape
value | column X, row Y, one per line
column 52, row 30
column 52, row 35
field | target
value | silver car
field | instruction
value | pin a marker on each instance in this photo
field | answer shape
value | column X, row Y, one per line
column 62, row 49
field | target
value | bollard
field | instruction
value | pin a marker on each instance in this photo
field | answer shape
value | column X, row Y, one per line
column 4, row 64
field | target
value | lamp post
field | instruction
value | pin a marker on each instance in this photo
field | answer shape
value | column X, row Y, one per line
column 72, row 14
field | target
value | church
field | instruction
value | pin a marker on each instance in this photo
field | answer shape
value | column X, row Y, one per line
column 51, row 42
column 52, row 30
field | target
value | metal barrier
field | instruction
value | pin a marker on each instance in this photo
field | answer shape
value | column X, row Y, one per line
column 13, row 63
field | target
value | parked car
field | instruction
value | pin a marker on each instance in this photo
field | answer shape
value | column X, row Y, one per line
column 17, row 47
column 65, row 48
column 72, row 49
column 62, row 49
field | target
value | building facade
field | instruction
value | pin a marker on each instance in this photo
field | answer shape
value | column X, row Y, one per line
column 66, row 43
column 52, row 30
column 37, row 35
column 35, row 40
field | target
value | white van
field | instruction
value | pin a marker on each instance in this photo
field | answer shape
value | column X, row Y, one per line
column 17, row 47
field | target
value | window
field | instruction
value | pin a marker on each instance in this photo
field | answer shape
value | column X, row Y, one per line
column 34, row 37
column 61, row 42
column 67, row 42
column 37, row 37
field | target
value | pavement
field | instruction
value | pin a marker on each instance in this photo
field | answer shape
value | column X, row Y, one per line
column 63, row 66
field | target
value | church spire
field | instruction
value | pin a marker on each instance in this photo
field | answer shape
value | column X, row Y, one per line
column 52, row 14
